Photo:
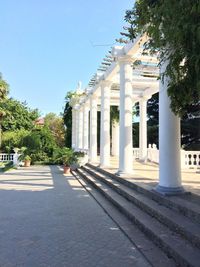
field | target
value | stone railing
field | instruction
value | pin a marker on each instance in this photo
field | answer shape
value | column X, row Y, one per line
column 190, row 159
column 136, row 153
column 14, row 157
column 6, row 157
column 153, row 154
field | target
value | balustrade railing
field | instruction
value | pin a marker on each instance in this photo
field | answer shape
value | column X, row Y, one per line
column 153, row 154
column 136, row 153
column 6, row 157
column 189, row 159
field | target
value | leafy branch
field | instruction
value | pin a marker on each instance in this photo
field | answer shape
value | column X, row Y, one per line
column 173, row 28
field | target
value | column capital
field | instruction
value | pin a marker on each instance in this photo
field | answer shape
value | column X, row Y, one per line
column 125, row 59
column 105, row 83
column 92, row 95
column 76, row 107
column 81, row 108
column 86, row 106
column 144, row 98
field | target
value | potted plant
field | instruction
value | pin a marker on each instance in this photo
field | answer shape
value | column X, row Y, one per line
column 65, row 156
column 27, row 161
column 68, row 159
column 24, row 156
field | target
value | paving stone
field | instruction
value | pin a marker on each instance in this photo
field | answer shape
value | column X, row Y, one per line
column 48, row 219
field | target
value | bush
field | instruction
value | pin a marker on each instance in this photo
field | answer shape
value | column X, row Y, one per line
column 39, row 143
column 39, row 156
column 66, row 156
column 11, row 139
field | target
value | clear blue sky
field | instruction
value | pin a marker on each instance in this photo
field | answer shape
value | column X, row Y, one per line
column 47, row 46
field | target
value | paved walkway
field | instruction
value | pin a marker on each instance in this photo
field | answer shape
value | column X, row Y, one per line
column 48, row 219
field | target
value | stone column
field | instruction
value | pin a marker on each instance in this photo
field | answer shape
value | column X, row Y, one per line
column 143, row 129
column 126, row 103
column 85, row 126
column 115, row 138
column 73, row 128
column 80, row 129
column 76, row 127
column 105, row 124
column 93, row 129
column 169, row 144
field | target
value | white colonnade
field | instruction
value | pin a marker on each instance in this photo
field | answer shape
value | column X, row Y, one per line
column 76, row 127
column 130, row 86
column 85, row 127
column 169, row 144
column 93, row 129
column 126, row 117
column 73, row 128
column 143, row 129
column 105, row 124
column 80, row 128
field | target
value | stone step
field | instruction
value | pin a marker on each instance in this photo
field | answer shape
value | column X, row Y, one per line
column 191, row 198
column 182, row 204
column 183, row 253
column 175, row 221
column 152, row 253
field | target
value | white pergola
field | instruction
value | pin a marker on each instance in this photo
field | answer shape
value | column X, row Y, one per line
column 120, row 84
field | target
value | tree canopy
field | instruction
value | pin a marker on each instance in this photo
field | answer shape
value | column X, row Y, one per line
column 173, row 28
column 67, row 118
column 56, row 126
column 4, row 88
column 17, row 115
column 190, row 130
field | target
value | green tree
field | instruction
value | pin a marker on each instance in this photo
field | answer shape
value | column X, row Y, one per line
column 190, row 130
column 4, row 88
column 56, row 125
column 17, row 115
column 67, row 118
column 173, row 28
column 11, row 139
column 40, row 144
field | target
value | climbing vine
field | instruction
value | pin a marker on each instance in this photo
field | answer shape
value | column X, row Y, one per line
column 173, row 28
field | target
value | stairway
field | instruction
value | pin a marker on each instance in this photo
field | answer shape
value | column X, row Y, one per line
column 165, row 229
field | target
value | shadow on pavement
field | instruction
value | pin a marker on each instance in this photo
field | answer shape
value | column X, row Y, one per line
column 48, row 219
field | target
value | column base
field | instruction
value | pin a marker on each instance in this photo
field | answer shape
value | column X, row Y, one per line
column 143, row 160
column 103, row 166
column 95, row 162
column 124, row 173
column 169, row 191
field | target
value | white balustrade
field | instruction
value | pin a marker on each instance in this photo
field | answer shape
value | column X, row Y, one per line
column 153, row 154
column 6, row 157
column 190, row 159
column 136, row 153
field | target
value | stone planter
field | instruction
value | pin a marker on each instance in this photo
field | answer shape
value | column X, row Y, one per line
column 27, row 163
column 66, row 170
column 83, row 160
